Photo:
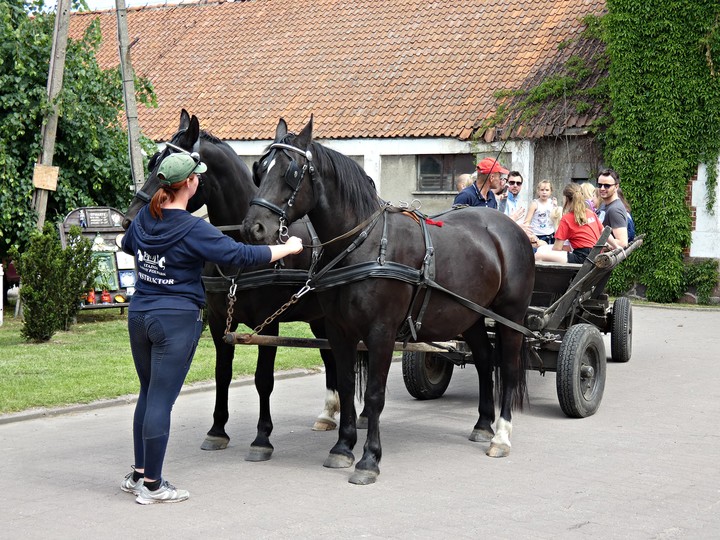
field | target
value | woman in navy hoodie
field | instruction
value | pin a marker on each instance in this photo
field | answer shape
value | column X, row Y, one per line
column 171, row 246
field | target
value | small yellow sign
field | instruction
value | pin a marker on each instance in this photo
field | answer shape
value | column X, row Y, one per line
column 45, row 177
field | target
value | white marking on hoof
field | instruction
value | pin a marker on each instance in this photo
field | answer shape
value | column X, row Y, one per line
column 323, row 423
column 498, row 450
column 326, row 420
column 500, row 443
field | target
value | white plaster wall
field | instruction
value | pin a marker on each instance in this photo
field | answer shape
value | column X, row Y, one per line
column 706, row 236
column 403, row 186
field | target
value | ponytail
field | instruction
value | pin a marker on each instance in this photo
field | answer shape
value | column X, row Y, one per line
column 164, row 193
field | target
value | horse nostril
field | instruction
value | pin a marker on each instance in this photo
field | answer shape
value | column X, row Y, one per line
column 257, row 231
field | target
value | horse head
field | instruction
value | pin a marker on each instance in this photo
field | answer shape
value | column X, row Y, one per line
column 225, row 188
column 298, row 176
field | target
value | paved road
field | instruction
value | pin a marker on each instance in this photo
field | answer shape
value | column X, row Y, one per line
column 645, row 466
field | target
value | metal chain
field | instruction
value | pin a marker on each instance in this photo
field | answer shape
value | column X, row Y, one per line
column 231, row 304
column 293, row 299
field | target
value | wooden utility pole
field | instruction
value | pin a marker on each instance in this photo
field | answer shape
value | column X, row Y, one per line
column 44, row 173
column 128, row 82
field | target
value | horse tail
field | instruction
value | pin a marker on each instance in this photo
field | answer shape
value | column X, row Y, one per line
column 518, row 372
column 361, row 373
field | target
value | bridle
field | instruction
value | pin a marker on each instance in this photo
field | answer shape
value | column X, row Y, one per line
column 293, row 178
column 194, row 153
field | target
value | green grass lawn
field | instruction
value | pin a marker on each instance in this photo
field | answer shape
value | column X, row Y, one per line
column 92, row 361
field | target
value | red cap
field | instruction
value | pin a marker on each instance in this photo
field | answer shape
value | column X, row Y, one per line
column 490, row 165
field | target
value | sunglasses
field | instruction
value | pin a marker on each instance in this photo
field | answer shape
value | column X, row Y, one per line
column 514, row 183
column 604, row 186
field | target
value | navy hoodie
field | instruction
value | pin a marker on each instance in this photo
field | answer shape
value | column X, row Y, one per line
column 170, row 254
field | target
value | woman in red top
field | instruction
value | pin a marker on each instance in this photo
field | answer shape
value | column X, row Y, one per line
column 579, row 226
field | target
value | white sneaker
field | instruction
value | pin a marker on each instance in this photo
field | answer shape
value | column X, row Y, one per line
column 166, row 493
column 130, row 485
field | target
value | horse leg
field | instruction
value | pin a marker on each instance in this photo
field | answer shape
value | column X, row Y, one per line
column 379, row 359
column 217, row 438
column 512, row 372
column 326, row 420
column 341, row 455
column 477, row 339
column 260, row 448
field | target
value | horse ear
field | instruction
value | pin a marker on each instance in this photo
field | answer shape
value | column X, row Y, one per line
column 304, row 139
column 184, row 120
column 281, row 129
column 193, row 130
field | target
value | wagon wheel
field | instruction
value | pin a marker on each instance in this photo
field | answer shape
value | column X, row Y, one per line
column 621, row 335
column 581, row 371
column 426, row 375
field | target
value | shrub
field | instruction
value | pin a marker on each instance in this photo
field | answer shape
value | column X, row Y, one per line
column 703, row 275
column 52, row 280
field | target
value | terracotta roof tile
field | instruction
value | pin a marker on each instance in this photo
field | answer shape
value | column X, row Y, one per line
column 366, row 68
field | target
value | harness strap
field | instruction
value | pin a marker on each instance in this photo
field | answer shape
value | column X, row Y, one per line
column 359, row 239
column 484, row 311
column 427, row 273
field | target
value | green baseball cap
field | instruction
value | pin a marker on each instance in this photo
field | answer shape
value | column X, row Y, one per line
column 177, row 167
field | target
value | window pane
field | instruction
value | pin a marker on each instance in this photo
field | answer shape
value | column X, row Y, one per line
column 439, row 172
column 430, row 169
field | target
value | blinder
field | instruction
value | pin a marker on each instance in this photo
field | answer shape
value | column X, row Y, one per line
column 293, row 178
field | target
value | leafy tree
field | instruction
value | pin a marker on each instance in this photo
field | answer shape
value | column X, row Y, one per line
column 91, row 143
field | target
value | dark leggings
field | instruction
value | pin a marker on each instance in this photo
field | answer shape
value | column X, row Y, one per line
column 163, row 343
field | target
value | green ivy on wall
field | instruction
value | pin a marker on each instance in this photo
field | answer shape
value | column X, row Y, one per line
column 665, row 94
column 658, row 118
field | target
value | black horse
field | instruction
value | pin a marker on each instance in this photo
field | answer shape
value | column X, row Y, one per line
column 226, row 190
column 389, row 273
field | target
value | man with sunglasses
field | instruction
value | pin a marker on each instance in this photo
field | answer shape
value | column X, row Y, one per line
column 481, row 192
column 510, row 205
column 612, row 211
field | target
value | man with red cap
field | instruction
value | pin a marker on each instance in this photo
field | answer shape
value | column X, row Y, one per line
column 481, row 193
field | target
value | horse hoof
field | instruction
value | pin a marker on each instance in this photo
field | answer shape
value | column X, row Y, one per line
column 481, row 435
column 363, row 478
column 259, row 453
column 212, row 442
column 498, row 450
column 362, row 422
column 338, row 461
column 324, row 424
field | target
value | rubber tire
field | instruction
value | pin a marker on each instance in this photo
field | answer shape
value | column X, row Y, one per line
column 426, row 375
column 581, row 347
column 621, row 333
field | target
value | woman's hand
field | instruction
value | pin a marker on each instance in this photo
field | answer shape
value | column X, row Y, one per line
column 294, row 244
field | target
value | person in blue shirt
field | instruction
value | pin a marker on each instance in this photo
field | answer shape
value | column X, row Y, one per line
column 480, row 193
column 511, row 205
column 170, row 247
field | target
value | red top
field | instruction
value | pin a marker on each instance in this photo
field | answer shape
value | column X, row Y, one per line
column 580, row 236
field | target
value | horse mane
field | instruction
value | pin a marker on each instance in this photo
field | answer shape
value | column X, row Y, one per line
column 206, row 135
column 355, row 188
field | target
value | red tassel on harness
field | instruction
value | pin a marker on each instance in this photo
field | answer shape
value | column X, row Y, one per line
column 433, row 222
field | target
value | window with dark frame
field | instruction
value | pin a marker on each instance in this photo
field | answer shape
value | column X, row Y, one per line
column 439, row 172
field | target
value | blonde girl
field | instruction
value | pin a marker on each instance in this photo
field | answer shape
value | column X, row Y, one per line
column 579, row 226
column 591, row 195
column 538, row 216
